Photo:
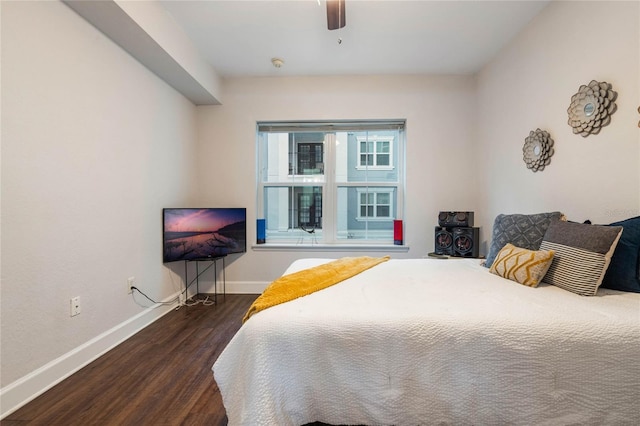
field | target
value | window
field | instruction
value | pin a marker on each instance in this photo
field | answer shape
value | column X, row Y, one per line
column 330, row 182
column 374, row 204
column 309, row 158
column 375, row 152
column 310, row 208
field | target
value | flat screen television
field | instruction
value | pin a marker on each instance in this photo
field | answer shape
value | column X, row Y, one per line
column 203, row 233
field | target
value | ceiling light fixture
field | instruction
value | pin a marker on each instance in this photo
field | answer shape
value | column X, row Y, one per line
column 277, row 62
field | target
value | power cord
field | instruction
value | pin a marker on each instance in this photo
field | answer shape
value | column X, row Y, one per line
column 205, row 301
column 153, row 301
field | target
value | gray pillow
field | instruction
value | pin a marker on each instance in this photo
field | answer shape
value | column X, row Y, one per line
column 582, row 255
column 521, row 230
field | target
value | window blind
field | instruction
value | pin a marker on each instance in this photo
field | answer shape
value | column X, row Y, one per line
column 329, row 126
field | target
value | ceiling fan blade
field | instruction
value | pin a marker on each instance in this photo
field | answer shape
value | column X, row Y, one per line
column 335, row 14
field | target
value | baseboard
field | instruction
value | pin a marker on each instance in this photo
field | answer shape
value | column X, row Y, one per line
column 27, row 388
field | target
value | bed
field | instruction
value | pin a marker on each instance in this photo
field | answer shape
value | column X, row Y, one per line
column 426, row 341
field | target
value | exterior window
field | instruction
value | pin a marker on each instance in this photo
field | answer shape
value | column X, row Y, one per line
column 310, row 208
column 375, row 205
column 309, row 158
column 375, row 152
column 338, row 181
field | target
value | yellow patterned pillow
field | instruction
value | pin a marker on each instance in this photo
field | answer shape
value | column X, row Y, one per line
column 524, row 266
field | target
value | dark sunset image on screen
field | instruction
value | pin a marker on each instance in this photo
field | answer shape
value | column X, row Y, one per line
column 191, row 234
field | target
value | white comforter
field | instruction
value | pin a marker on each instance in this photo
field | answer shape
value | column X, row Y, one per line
column 423, row 341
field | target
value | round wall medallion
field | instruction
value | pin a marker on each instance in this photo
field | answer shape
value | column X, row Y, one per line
column 591, row 108
column 537, row 150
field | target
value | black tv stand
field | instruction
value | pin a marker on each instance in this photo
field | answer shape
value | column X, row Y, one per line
column 212, row 262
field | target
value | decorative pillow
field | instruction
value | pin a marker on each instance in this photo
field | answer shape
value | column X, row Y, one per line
column 525, row 231
column 582, row 254
column 521, row 265
column 624, row 270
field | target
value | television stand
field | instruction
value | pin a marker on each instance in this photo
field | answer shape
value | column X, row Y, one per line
column 211, row 262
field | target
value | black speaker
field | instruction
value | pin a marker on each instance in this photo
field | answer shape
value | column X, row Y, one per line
column 443, row 241
column 466, row 242
column 451, row 219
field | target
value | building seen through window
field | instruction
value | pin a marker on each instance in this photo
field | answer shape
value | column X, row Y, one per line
column 340, row 181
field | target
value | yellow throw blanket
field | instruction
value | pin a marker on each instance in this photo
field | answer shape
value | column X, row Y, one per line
column 307, row 281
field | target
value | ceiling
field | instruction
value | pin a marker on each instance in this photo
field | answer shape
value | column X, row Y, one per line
column 240, row 37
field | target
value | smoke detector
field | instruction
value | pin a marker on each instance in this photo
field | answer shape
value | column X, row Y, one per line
column 277, row 62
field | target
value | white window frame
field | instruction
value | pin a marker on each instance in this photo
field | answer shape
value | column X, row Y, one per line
column 327, row 239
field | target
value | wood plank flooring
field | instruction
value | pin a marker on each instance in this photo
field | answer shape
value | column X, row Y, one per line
column 160, row 376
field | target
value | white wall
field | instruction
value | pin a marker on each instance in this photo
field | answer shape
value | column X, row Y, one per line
column 93, row 146
column 530, row 84
column 440, row 168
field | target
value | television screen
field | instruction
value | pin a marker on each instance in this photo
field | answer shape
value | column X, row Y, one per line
column 192, row 234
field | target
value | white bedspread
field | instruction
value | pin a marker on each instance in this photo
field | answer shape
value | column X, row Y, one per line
column 424, row 341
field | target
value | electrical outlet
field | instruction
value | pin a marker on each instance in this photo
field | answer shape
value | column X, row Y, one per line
column 131, row 282
column 75, row 306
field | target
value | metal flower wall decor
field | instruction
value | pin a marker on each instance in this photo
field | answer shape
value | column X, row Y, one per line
column 537, row 150
column 591, row 108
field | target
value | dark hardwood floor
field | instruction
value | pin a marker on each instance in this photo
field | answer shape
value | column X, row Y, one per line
column 160, row 376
